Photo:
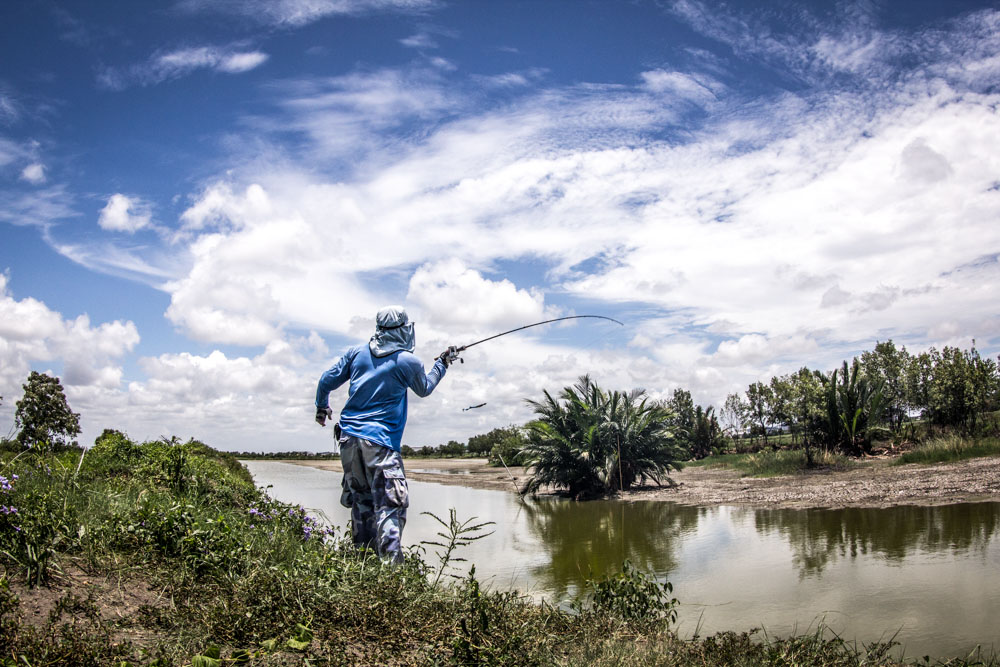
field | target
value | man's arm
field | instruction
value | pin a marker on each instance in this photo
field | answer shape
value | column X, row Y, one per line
column 422, row 383
column 338, row 374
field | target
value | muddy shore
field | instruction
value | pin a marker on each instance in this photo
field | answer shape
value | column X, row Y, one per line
column 870, row 484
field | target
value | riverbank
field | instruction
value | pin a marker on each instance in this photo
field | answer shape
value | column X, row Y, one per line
column 871, row 483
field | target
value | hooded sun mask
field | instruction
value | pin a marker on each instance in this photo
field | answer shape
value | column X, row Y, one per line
column 393, row 332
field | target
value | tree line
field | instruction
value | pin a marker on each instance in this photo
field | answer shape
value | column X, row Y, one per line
column 588, row 440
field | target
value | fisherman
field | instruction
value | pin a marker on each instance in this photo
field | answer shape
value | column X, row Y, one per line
column 370, row 428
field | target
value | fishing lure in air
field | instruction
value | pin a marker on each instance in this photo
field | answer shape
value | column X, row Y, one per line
column 453, row 351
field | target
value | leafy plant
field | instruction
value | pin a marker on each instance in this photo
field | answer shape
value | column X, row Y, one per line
column 594, row 442
column 853, row 405
column 630, row 595
column 456, row 534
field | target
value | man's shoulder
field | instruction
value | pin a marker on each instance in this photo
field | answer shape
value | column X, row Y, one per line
column 407, row 358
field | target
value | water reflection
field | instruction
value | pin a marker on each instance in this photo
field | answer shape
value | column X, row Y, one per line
column 818, row 536
column 587, row 539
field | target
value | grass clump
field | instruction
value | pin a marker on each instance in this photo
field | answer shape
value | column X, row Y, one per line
column 770, row 463
column 950, row 447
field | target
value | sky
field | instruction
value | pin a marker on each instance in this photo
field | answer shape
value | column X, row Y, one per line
column 203, row 203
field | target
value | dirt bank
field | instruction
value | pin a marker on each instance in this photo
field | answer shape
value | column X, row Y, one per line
column 473, row 473
column 870, row 484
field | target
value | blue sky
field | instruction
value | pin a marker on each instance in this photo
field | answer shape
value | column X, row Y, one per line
column 202, row 203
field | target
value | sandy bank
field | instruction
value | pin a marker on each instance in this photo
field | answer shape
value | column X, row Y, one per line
column 872, row 484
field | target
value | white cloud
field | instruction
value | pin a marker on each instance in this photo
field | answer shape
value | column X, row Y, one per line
column 302, row 12
column 421, row 40
column 699, row 90
column 241, row 62
column 124, row 214
column 39, row 207
column 34, row 173
column 456, row 298
column 174, row 64
column 31, row 333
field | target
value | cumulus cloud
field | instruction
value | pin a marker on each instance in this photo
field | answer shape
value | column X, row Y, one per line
column 124, row 214
column 31, row 333
column 34, row 173
column 454, row 297
column 174, row 64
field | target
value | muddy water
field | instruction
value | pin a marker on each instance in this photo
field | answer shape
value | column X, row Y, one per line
column 929, row 575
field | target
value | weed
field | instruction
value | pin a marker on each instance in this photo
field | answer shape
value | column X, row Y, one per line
column 951, row 448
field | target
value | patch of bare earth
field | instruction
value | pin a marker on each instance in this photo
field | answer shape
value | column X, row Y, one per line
column 872, row 484
column 120, row 598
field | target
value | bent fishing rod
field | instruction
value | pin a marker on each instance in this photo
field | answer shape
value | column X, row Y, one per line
column 453, row 351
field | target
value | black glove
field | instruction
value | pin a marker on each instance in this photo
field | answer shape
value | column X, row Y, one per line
column 322, row 414
column 449, row 356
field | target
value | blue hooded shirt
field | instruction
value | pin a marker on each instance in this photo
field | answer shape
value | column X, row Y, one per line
column 376, row 400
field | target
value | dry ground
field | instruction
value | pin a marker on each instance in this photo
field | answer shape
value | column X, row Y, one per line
column 872, row 484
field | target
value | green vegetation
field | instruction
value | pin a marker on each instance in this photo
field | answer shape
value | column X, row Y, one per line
column 594, row 442
column 217, row 573
column 771, row 463
column 233, row 577
column 951, row 447
column 43, row 416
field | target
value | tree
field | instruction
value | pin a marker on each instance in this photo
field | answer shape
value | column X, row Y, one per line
column 593, row 442
column 509, row 450
column 888, row 364
column 43, row 415
column 453, row 448
column 732, row 416
column 918, row 381
column 482, row 445
column 853, row 405
column 963, row 385
column 759, row 399
column 807, row 409
column 706, row 436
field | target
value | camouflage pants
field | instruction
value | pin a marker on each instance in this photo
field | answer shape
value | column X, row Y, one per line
column 375, row 489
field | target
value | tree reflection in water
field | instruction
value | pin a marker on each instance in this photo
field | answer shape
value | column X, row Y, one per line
column 593, row 538
column 818, row 537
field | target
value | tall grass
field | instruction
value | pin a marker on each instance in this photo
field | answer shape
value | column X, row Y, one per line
column 770, row 463
column 951, row 447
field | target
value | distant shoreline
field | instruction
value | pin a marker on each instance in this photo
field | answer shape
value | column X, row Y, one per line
column 874, row 484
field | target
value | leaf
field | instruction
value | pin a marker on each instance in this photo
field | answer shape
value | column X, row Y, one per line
column 240, row 656
column 296, row 645
column 303, row 633
column 269, row 645
column 205, row 661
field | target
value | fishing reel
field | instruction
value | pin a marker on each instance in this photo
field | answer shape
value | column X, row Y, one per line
column 450, row 355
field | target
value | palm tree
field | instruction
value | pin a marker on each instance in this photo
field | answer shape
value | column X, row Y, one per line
column 594, row 442
column 852, row 405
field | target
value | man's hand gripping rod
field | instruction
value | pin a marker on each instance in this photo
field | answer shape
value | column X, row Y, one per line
column 451, row 354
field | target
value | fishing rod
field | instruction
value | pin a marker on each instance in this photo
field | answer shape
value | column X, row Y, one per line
column 453, row 351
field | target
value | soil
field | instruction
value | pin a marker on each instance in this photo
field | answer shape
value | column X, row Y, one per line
column 872, row 483
column 119, row 597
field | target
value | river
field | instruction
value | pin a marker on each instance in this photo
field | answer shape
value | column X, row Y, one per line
column 928, row 575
